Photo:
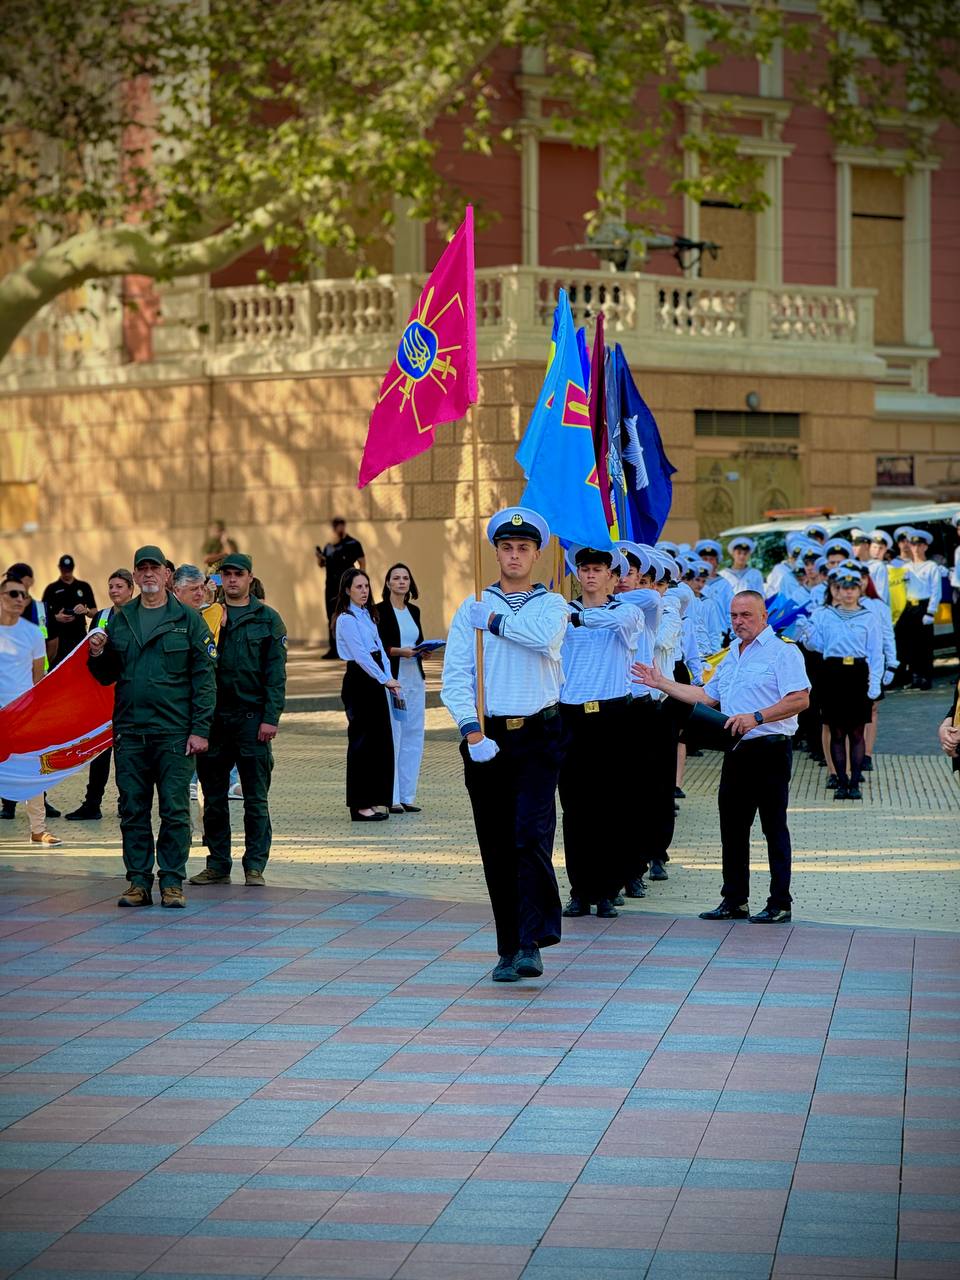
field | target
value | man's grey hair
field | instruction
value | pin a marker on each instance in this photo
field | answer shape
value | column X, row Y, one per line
column 188, row 575
column 753, row 595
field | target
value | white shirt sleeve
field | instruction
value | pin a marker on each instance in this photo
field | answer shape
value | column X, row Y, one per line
column 875, row 661
column 791, row 670
column 38, row 648
column 626, row 619
column 458, row 691
column 354, row 646
column 541, row 630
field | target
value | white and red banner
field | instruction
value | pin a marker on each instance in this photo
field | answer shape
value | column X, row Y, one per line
column 54, row 729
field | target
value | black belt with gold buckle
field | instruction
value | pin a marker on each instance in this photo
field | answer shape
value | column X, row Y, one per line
column 517, row 722
column 597, row 705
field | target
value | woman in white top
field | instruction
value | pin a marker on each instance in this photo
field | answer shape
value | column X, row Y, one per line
column 401, row 633
column 369, row 737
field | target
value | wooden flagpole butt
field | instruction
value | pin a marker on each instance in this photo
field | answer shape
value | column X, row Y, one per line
column 477, row 567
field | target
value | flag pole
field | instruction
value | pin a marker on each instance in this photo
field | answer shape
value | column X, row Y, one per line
column 477, row 570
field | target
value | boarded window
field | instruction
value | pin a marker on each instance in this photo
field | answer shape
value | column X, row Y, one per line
column 877, row 247
column 735, row 422
column 734, row 229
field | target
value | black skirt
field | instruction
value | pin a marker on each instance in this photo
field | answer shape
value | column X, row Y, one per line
column 369, row 739
column 842, row 688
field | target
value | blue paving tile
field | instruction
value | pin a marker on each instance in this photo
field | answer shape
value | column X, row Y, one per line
column 930, row 1204
column 267, row 1122
column 363, row 1231
column 649, row 1172
column 17, row 1248
column 213, row 1031
column 255, row 1230
column 117, row 1155
column 548, row 1263
column 676, row 1265
column 217, row 1086
column 33, row 1155
column 699, row 1043
column 119, row 1084
column 672, row 1099
column 740, row 1175
column 806, row 1045
column 842, row 1206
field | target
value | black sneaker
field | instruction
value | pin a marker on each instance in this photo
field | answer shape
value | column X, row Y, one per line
column 854, row 792
column 617, row 900
column 527, row 962
column 658, row 871
column 506, row 970
column 606, row 910
column 832, row 782
column 772, row 915
column 576, row 907
column 868, row 764
column 84, row 814
column 8, row 809
column 679, row 793
column 727, row 912
column 49, row 810
column 636, row 888
column 841, row 793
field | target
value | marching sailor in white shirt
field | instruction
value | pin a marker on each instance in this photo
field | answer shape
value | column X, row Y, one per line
column 741, row 576
column 849, row 638
column 595, row 707
column 760, row 687
column 923, row 598
column 709, row 623
column 884, row 617
column 511, row 762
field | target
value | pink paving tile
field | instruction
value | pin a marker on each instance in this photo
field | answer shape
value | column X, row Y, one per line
column 402, row 1209
column 847, row 1177
column 262, row 1205
column 856, row 1104
column 71, row 1192
column 910, row 1270
column 78, row 1252
column 802, row 1266
column 310, row 1258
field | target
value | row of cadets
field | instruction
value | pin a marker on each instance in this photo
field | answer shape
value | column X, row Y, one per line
column 595, row 704
column 512, row 762
column 653, row 730
column 709, row 621
column 849, row 639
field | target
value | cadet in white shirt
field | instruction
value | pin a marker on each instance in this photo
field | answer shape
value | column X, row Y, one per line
column 880, row 546
column 595, row 706
column 718, row 588
column 511, row 762
column 741, row 576
column 915, row 624
column 760, row 687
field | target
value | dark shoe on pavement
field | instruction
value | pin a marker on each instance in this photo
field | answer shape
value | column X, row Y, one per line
column 209, row 876
column 868, row 764
column 679, row 793
column 854, row 792
column 606, row 910
column 576, row 907
column 506, row 970
column 135, row 895
column 617, row 900
column 411, row 808
column 527, row 962
column 841, row 793
column 771, row 915
column 396, row 808
column 49, row 811
column 832, row 782
column 254, row 878
column 636, row 888
column 727, row 912
column 329, row 656
column 925, row 684
column 172, row 896
column 84, row 814
column 376, row 816
column 658, row 871
column 8, row 808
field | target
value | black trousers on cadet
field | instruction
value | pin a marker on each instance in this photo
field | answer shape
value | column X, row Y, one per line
column 652, row 743
column 594, row 859
column 915, row 641
column 755, row 778
column 513, row 797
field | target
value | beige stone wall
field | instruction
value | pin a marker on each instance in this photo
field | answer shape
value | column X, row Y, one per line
column 934, row 446
column 277, row 457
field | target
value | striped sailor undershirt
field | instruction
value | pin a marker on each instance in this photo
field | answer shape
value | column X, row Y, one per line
column 515, row 599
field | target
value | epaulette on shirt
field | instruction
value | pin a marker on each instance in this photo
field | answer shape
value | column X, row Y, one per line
column 786, row 640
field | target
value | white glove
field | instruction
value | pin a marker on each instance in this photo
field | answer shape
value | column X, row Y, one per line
column 479, row 615
column 928, row 619
column 887, row 678
column 482, row 751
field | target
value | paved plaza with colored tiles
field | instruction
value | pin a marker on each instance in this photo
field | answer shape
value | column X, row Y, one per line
column 318, row 1079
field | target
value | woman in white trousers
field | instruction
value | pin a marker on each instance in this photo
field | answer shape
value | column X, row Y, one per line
column 401, row 633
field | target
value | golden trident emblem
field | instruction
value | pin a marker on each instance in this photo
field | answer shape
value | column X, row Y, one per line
column 415, row 349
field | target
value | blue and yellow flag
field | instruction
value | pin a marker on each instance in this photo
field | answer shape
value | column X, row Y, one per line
column 556, row 452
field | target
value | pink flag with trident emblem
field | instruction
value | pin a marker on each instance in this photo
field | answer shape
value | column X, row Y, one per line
column 433, row 378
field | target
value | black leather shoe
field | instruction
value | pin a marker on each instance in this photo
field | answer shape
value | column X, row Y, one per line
column 617, row 900
column 854, row 792
column 606, row 910
column 506, row 970
column 84, row 814
column 868, row 764
column 396, row 808
column 376, row 816
column 576, row 907
column 726, row 912
column 636, row 888
column 658, row 871
column 50, row 811
column 411, row 808
column 771, row 915
column 832, row 782
column 841, row 793
column 527, row 962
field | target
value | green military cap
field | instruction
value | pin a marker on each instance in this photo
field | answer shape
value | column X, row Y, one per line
column 237, row 560
column 148, row 553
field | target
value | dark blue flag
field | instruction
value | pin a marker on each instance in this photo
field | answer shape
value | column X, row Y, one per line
column 648, row 488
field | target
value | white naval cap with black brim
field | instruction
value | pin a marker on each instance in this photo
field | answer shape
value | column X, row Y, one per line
column 518, row 522
column 577, row 556
column 633, row 551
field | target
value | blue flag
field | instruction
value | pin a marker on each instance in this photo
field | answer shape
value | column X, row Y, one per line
column 556, row 451
column 647, row 487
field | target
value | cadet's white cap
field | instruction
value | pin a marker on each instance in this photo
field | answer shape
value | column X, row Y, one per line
column 518, row 522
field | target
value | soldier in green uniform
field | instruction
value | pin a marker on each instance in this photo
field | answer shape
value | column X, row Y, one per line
column 251, row 686
column 161, row 656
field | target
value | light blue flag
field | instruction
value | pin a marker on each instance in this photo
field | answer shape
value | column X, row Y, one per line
column 556, row 452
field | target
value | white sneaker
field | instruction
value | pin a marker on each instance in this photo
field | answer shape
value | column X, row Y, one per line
column 193, row 791
column 235, row 792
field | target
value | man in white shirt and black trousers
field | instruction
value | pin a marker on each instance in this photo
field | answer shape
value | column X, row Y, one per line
column 511, row 761
column 760, row 687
